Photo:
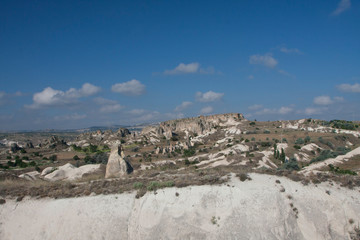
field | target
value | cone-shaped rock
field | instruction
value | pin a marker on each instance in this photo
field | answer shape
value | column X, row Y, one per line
column 117, row 166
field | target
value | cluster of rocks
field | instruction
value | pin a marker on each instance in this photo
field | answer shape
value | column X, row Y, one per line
column 53, row 142
column 198, row 125
column 107, row 137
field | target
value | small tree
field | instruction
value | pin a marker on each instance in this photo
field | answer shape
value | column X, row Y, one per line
column 53, row 158
column 282, row 155
column 76, row 157
column 275, row 149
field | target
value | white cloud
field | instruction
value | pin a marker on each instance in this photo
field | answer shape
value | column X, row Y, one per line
column 183, row 69
column 111, row 108
column 290, row 50
column 343, row 5
column 52, row 97
column 323, row 100
column 255, row 107
column 174, row 115
column 208, row 70
column 103, row 101
column 2, row 98
column 206, row 110
column 88, row 89
column 151, row 116
column 326, row 100
column 266, row 60
column 339, row 99
column 108, row 105
column 209, row 96
column 137, row 111
column 349, row 88
column 313, row 111
column 183, row 106
column 281, row 111
column 285, row 110
column 283, row 72
column 74, row 116
column 130, row 88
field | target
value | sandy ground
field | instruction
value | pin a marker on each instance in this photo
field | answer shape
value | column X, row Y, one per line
column 255, row 209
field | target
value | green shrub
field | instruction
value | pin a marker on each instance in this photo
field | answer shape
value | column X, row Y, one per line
column 341, row 171
column 265, row 144
column 76, row 148
column 326, row 154
column 23, row 164
column 297, row 147
column 53, row 158
column 299, row 141
column 10, row 164
column 343, row 124
column 189, row 152
column 32, row 163
column 153, row 185
column 76, row 157
column 291, row 165
column 138, row 185
column 252, row 124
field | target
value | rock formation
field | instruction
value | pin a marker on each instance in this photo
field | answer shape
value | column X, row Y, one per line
column 14, row 148
column 29, row 144
column 117, row 166
column 54, row 142
column 198, row 125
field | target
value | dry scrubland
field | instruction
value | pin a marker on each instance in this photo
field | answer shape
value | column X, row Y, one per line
column 215, row 177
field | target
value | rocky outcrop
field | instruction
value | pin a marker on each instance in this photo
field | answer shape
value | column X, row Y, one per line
column 54, row 142
column 30, row 176
column 194, row 212
column 29, row 144
column 70, row 172
column 123, row 132
column 198, row 125
column 14, row 148
column 117, row 166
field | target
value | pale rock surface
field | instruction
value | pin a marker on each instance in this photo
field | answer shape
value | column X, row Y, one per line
column 70, row 172
column 47, row 171
column 31, row 176
column 117, row 166
column 253, row 209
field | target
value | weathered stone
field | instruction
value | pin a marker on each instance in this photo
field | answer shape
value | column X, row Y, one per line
column 14, row 148
column 117, row 166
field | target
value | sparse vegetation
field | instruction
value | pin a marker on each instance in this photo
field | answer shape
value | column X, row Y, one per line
column 326, row 154
column 341, row 171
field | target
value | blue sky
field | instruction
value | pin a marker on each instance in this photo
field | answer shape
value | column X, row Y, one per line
column 73, row 64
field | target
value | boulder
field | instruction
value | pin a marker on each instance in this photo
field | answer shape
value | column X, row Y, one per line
column 123, row 132
column 117, row 166
column 47, row 171
column 29, row 144
column 14, row 148
column 69, row 172
column 31, row 176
